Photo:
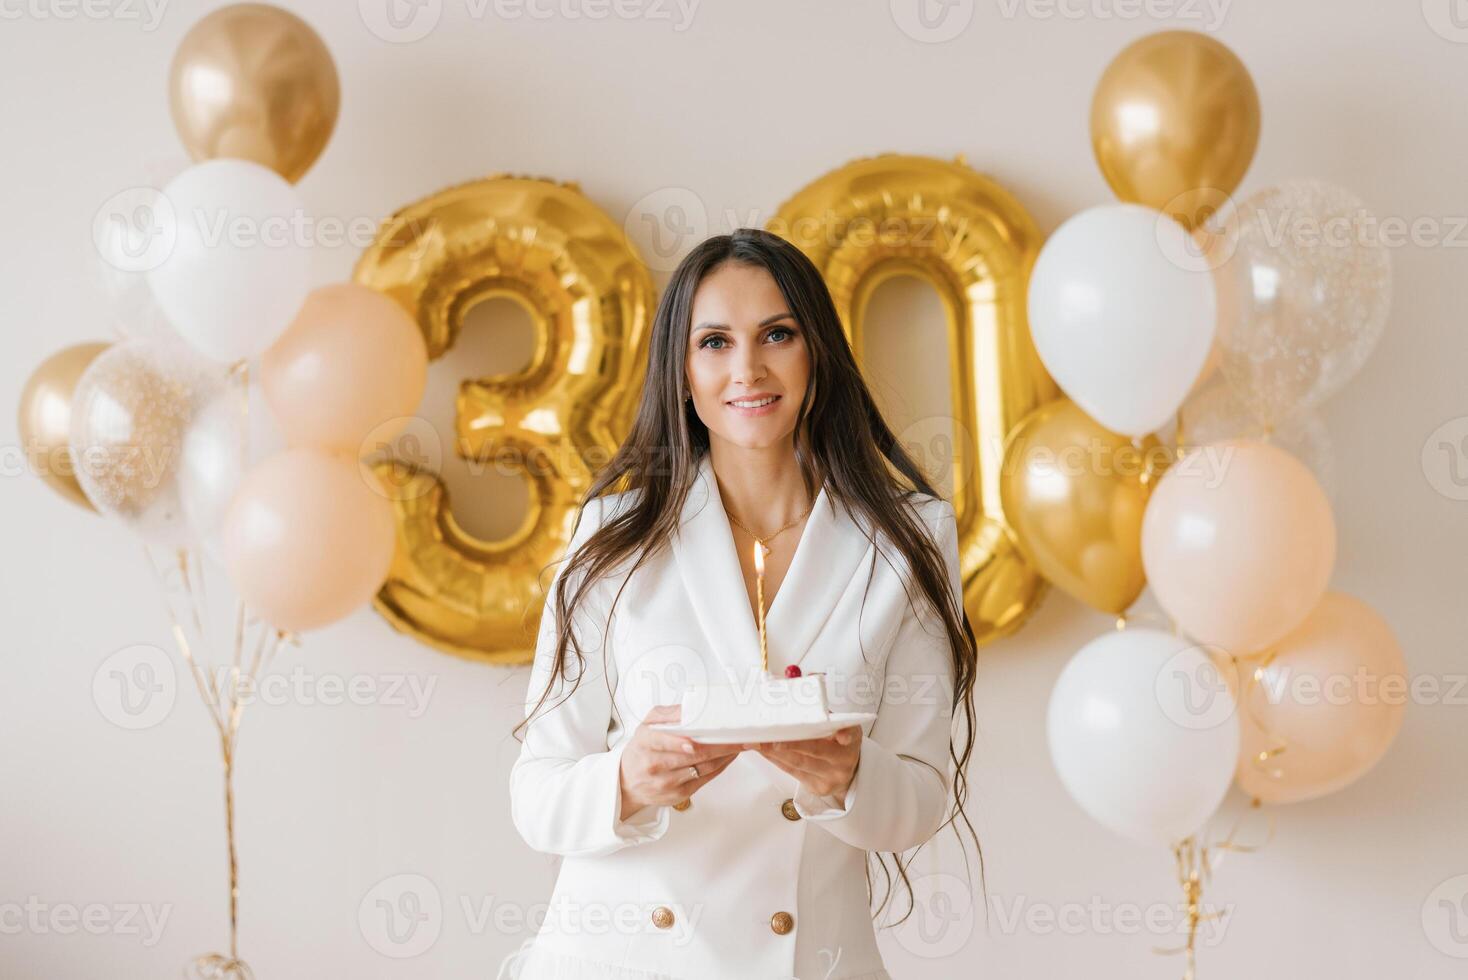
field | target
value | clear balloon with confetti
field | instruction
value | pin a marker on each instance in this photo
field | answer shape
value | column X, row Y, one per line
column 131, row 411
column 1303, row 296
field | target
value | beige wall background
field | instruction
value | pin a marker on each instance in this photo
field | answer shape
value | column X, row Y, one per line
column 687, row 121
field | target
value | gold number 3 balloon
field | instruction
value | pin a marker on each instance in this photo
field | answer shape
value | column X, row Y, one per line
column 547, row 246
column 943, row 223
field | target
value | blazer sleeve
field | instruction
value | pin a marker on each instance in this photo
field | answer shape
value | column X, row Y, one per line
column 899, row 795
column 565, row 786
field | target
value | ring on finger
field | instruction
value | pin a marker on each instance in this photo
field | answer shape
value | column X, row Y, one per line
column 694, row 769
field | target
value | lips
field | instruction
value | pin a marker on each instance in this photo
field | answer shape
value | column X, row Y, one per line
column 755, row 412
column 761, row 396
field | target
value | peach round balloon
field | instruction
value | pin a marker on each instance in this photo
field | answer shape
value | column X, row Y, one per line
column 351, row 366
column 1238, row 543
column 308, row 538
column 1332, row 697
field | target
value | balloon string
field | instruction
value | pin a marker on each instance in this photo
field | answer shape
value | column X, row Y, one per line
column 1252, row 667
column 213, row 966
column 227, row 748
column 226, row 710
column 1126, row 619
column 1196, row 863
column 197, row 603
column 181, row 638
column 1276, row 744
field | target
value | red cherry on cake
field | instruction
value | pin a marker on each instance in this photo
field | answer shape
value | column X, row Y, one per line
column 793, row 670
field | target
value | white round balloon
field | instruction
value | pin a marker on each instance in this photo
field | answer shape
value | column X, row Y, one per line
column 235, row 431
column 1121, row 319
column 238, row 270
column 1144, row 734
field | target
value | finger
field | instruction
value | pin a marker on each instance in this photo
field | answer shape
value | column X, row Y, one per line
column 709, row 753
column 656, row 741
column 660, row 713
column 714, row 768
column 660, row 761
column 671, row 754
column 795, row 762
column 813, row 761
column 785, row 767
column 842, row 737
column 814, row 748
column 690, row 785
column 812, row 782
column 693, row 786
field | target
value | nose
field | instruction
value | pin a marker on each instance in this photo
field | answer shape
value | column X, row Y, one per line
column 750, row 369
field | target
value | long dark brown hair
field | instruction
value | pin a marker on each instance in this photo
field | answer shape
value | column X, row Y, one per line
column 841, row 441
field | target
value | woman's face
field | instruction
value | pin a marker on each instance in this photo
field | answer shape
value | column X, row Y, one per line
column 746, row 346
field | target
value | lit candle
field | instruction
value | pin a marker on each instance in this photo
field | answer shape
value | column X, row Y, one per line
column 759, row 593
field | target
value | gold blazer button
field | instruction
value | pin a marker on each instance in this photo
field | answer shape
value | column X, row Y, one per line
column 680, row 807
column 788, row 808
column 782, row 923
column 662, row 917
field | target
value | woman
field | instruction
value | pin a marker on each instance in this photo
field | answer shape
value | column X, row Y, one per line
column 684, row 860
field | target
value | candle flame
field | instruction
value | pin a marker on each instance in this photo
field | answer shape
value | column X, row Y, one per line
column 759, row 558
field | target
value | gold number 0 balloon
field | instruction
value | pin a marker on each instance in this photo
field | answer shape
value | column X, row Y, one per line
column 944, row 223
column 589, row 297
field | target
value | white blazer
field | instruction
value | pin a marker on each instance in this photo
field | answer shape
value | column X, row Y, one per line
column 756, row 879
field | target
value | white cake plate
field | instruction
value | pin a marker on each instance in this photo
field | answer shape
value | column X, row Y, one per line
column 767, row 733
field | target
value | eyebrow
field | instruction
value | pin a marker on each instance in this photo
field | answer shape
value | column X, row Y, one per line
column 724, row 326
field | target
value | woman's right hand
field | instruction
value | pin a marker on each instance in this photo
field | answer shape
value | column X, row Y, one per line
column 657, row 766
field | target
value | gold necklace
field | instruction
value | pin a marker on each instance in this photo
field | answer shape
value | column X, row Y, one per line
column 761, row 541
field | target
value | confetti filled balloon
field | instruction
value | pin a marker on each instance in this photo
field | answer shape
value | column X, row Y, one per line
column 132, row 408
column 1303, row 296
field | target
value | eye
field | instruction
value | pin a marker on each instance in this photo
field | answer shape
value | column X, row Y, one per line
column 784, row 330
column 709, row 340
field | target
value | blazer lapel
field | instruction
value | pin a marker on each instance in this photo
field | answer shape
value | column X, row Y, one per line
column 829, row 553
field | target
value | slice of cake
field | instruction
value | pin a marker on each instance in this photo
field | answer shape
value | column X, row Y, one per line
column 769, row 701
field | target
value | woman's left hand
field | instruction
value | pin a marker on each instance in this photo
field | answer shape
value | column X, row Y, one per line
column 824, row 766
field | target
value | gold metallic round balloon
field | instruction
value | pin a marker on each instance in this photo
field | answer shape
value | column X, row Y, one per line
column 254, row 82
column 1174, row 123
column 1074, row 493
column 949, row 226
column 45, row 419
column 590, row 300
